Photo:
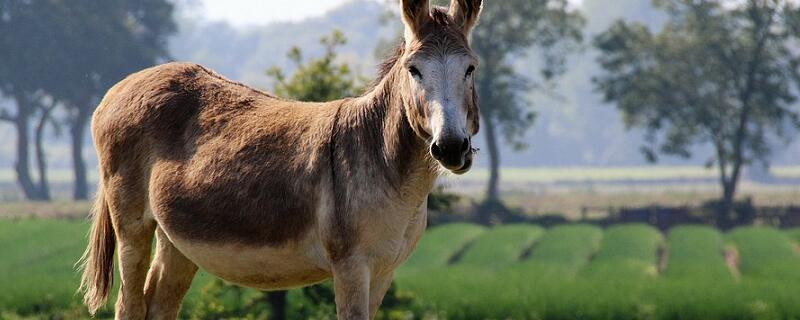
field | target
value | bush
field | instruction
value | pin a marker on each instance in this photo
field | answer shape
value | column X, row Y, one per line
column 696, row 252
column 501, row 245
column 565, row 249
column 220, row 300
column 765, row 253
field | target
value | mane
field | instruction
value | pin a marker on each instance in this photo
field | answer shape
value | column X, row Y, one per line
column 385, row 67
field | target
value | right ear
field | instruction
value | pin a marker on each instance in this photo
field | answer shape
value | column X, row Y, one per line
column 415, row 14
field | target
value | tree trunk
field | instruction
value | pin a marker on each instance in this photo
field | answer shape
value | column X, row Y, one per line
column 41, row 161
column 277, row 302
column 726, row 205
column 77, row 132
column 22, row 165
column 729, row 183
column 492, row 194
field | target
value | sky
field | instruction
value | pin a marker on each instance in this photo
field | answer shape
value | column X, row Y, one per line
column 244, row 13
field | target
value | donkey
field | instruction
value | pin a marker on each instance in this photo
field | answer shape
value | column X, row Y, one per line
column 271, row 193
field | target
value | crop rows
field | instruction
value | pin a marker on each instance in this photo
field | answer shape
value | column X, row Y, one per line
column 697, row 252
column 766, row 253
column 466, row 271
column 500, row 246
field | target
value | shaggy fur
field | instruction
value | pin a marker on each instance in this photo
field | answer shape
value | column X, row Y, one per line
column 263, row 191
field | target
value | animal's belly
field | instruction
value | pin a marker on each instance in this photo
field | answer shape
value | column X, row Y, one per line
column 264, row 267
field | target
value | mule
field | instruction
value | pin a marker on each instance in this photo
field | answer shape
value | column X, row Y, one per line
column 271, row 193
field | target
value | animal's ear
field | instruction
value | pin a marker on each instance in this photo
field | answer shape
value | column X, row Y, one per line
column 465, row 13
column 415, row 14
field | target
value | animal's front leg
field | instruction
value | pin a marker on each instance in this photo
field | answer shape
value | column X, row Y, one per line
column 351, row 279
column 377, row 289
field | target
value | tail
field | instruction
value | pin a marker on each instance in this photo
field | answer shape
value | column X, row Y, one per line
column 97, row 261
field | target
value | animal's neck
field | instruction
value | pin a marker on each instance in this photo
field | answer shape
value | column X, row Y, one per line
column 380, row 118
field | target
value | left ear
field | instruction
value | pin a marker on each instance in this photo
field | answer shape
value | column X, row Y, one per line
column 465, row 13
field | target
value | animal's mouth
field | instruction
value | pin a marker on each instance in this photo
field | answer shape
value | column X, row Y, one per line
column 465, row 168
column 467, row 163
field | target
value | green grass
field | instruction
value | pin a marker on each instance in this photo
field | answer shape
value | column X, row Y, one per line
column 500, row 246
column 36, row 269
column 37, row 265
column 437, row 247
column 765, row 253
column 612, row 285
column 564, row 250
column 626, row 251
column 572, row 272
column 794, row 234
column 696, row 252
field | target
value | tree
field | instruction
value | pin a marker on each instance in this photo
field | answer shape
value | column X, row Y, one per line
column 27, row 42
column 103, row 44
column 507, row 31
column 319, row 80
column 719, row 73
column 70, row 53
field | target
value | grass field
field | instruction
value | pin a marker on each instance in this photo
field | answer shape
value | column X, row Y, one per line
column 697, row 251
column 464, row 271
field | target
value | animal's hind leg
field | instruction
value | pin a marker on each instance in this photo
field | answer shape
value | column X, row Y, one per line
column 169, row 278
column 134, row 233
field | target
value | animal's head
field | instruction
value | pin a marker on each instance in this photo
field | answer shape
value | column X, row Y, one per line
column 439, row 67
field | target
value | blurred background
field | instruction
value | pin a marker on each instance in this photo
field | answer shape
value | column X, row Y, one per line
column 638, row 159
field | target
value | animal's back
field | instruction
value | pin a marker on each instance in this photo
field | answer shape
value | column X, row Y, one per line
column 221, row 162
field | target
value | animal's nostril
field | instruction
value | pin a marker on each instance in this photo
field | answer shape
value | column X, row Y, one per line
column 436, row 152
column 465, row 145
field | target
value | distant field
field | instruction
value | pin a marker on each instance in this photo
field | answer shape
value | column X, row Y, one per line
column 564, row 191
column 54, row 175
column 464, row 271
column 536, row 174
column 633, row 173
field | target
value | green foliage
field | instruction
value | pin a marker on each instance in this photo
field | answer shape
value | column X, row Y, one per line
column 626, row 251
column 765, row 253
column 441, row 200
column 695, row 251
column 501, row 245
column 36, row 258
column 69, row 53
column 440, row 205
column 314, row 302
column 530, row 291
column 439, row 245
column 564, row 249
column 318, row 80
column 509, row 30
column 219, row 300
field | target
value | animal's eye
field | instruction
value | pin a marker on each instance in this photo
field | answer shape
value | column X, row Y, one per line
column 470, row 70
column 415, row 72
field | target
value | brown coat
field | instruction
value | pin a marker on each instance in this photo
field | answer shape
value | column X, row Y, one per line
column 263, row 191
